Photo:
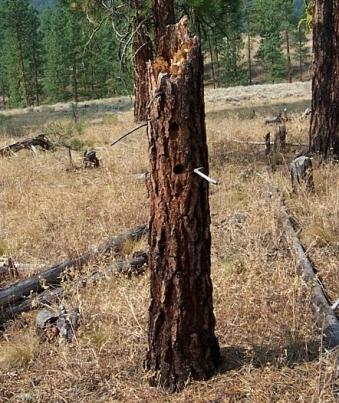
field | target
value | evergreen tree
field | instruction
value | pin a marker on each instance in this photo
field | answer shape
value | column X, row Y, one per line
column 268, row 25
column 233, row 71
column 56, row 47
column 302, row 54
column 20, row 43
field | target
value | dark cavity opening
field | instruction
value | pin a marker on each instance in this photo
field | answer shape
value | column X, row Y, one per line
column 174, row 127
column 178, row 169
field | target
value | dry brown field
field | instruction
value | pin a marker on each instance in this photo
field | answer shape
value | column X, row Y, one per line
column 271, row 347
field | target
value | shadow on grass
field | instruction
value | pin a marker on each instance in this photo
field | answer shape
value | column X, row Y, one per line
column 235, row 358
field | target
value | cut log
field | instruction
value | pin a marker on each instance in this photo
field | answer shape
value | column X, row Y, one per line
column 134, row 266
column 29, row 144
column 324, row 314
column 54, row 275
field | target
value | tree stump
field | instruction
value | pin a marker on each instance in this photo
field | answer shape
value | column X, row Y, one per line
column 90, row 159
column 182, row 342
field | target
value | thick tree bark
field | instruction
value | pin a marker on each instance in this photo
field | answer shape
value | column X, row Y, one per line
column 142, row 53
column 324, row 130
column 182, row 342
column 163, row 15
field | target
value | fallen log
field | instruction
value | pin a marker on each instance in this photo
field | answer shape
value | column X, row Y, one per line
column 30, row 144
column 263, row 143
column 135, row 266
column 324, row 313
column 54, row 275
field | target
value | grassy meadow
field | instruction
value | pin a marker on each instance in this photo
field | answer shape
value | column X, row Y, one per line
column 271, row 347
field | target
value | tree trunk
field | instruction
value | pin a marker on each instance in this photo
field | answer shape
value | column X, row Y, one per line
column 212, row 62
column 22, row 70
column 36, row 78
column 288, row 54
column 324, row 133
column 142, row 53
column 249, row 59
column 163, row 15
column 182, row 342
column 75, row 81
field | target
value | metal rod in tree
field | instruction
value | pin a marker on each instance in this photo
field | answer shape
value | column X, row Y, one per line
column 324, row 130
column 181, row 330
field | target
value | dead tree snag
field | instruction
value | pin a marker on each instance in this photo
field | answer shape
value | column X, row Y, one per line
column 182, row 342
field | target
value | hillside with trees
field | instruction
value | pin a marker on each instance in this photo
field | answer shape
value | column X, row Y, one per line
column 72, row 51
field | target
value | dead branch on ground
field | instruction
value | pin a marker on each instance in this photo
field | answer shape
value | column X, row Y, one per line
column 39, row 141
column 53, row 276
column 324, row 313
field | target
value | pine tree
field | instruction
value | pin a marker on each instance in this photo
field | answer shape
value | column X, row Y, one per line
column 268, row 25
column 20, row 44
column 302, row 53
column 56, row 46
column 233, row 72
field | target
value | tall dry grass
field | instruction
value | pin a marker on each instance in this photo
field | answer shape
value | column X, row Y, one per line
column 270, row 344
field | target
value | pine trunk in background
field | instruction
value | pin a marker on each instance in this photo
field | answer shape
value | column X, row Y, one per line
column 249, row 59
column 163, row 15
column 182, row 342
column 324, row 130
column 142, row 53
column 288, row 54
column 212, row 62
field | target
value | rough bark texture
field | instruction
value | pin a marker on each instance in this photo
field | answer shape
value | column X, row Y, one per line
column 142, row 53
column 324, row 131
column 163, row 15
column 182, row 343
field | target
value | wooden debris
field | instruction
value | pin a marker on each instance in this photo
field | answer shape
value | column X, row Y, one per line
column 53, row 276
column 91, row 160
column 324, row 314
column 61, row 325
column 134, row 266
column 263, row 143
column 301, row 170
column 8, row 268
column 268, row 143
column 280, row 118
column 39, row 141
column 280, row 138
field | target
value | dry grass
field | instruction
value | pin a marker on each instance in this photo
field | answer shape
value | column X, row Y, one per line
column 270, row 343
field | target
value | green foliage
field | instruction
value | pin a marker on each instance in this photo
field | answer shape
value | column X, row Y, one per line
column 20, row 52
column 77, row 49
